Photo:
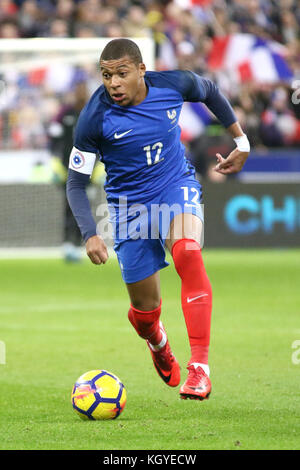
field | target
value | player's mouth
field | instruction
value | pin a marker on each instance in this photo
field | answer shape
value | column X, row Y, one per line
column 118, row 97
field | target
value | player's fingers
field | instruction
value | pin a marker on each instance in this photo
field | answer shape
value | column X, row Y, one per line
column 228, row 171
column 99, row 256
column 219, row 157
column 104, row 255
column 94, row 257
column 220, row 161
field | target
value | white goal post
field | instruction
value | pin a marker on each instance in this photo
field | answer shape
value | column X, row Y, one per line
column 86, row 50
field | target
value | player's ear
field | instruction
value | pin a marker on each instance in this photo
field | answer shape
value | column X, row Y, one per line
column 142, row 69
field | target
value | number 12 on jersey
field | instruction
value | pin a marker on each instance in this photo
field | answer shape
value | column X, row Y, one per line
column 186, row 195
column 157, row 148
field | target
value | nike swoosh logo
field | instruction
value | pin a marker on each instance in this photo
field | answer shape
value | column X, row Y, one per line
column 194, row 298
column 118, row 136
column 166, row 378
column 197, row 389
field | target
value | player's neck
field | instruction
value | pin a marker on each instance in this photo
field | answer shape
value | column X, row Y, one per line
column 141, row 94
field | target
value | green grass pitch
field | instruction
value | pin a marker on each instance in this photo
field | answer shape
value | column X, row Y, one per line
column 58, row 321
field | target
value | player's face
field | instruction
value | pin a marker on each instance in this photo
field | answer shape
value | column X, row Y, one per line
column 124, row 80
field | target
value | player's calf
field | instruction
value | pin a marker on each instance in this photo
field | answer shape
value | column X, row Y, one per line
column 196, row 296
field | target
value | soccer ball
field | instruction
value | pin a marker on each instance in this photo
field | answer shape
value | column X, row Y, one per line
column 98, row 394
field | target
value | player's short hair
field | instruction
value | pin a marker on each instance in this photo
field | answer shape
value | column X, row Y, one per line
column 118, row 48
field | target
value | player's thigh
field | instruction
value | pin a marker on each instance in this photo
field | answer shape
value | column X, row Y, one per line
column 184, row 225
column 145, row 294
column 185, row 197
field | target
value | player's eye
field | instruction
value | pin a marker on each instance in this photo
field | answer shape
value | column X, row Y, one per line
column 106, row 76
column 123, row 74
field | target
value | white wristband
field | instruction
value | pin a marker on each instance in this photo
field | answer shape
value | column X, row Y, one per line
column 242, row 143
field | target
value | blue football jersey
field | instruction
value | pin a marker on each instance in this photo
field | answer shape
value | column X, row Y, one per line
column 140, row 145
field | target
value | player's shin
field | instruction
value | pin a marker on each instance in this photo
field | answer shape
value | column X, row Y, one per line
column 149, row 327
column 196, row 298
column 146, row 324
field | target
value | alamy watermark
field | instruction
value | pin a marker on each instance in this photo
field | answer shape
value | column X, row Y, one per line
column 2, row 353
column 296, row 93
column 296, row 353
column 149, row 221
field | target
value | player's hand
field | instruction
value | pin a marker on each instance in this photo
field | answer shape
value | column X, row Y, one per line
column 96, row 250
column 232, row 164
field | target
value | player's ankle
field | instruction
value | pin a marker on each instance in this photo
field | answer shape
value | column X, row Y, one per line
column 203, row 366
column 158, row 346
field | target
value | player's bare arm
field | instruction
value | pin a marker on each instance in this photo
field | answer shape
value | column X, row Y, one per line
column 96, row 250
column 237, row 158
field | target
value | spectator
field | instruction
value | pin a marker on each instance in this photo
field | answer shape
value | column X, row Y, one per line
column 59, row 28
column 134, row 23
column 31, row 19
column 279, row 124
column 9, row 29
column 7, row 8
column 184, row 32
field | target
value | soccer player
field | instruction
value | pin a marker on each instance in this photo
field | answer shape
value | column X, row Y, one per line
column 131, row 123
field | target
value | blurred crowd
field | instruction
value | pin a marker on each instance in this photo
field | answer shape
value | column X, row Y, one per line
column 184, row 32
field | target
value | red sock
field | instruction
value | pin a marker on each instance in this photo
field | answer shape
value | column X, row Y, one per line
column 146, row 324
column 196, row 296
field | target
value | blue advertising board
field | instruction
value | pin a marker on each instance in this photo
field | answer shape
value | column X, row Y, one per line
column 245, row 215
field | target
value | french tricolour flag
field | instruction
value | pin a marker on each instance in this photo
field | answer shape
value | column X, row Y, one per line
column 246, row 57
column 194, row 117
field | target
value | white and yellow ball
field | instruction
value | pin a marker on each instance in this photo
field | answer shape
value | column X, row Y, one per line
column 98, row 394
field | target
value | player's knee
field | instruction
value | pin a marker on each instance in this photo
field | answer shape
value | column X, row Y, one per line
column 145, row 304
column 186, row 253
column 144, row 321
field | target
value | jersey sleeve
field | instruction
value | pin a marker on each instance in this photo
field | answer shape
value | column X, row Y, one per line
column 195, row 88
column 86, row 137
column 81, row 165
column 79, row 203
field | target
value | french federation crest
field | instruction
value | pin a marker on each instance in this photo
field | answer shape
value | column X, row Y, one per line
column 171, row 114
column 77, row 160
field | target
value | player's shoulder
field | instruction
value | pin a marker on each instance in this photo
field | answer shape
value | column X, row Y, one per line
column 94, row 106
column 89, row 124
column 180, row 80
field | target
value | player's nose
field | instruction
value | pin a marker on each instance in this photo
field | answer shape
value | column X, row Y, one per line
column 115, row 82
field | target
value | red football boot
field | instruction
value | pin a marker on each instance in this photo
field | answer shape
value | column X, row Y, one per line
column 165, row 363
column 197, row 386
